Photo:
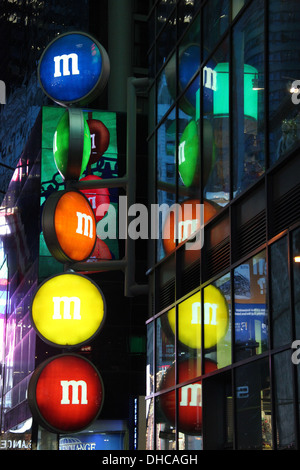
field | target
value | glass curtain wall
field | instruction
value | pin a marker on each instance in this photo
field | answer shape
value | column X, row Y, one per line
column 223, row 143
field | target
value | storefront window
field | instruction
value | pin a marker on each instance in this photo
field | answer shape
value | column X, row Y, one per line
column 218, row 412
column 217, row 321
column 250, row 307
column 248, row 97
column 253, row 406
column 284, row 405
column 186, row 14
column 215, row 96
column 284, row 69
column 280, row 293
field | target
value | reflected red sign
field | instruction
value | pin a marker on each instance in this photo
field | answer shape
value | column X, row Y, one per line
column 189, row 396
column 65, row 393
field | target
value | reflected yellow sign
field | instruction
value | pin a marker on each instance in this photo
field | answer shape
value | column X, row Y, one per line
column 68, row 310
column 216, row 319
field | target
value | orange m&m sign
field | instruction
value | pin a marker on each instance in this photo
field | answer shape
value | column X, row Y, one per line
column 69, row 226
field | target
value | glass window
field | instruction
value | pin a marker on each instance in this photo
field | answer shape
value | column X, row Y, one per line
column 237, row 5
column 166, row 42
column 166, row 88
column 189, row 144
column 165, row 421
column 189, row 337
column 218, row 412
column 189, row 58
column 284, row 405
column 150, row 359
column 248, row 97
column 165, row 354
column 250, row 307
column 217, row 321
column 280, row 293
column 215, row 23
column 190, row 416
column 296, row 278
column 215, row 96
column 166, row 183
column 284, row 70
column 186, row 14
column 253, row 406
column 149, row 424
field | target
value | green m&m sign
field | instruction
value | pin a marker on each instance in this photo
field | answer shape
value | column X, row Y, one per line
column 72, row 144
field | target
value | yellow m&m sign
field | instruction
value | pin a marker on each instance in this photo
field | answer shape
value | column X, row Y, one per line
column 68, row 310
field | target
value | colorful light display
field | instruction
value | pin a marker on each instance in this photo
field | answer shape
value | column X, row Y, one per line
column 68, row 310
column 66, row 393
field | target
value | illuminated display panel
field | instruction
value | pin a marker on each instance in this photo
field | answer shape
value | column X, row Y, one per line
column 66, row 393
column 68, row 310
column 104, row 166
column 74, row 68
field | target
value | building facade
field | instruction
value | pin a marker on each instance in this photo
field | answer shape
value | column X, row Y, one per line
column 223, row 317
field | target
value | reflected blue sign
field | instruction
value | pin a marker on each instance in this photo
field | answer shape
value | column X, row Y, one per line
column 74, row 68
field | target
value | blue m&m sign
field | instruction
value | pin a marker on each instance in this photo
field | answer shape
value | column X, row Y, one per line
column 73, row 69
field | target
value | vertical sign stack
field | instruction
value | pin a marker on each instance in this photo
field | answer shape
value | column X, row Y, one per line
column 66, row 392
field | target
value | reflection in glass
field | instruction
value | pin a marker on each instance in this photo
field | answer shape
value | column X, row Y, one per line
column 189, row 143
column 165, row 421
column 284, row 403
column 216, row 21
column 150, row 424
column 296, row 278
column 150, row 358
column 218, row 303
column 165, row 97
column 248, row 97
column 216, row 178
column 284, row 69
column 280, row 293
column 165, row 353
column 166, row 41
column 166, row 174
column 250, row 307
column 253, row 406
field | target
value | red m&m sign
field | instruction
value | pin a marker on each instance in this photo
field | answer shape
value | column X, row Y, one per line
column 65, row 393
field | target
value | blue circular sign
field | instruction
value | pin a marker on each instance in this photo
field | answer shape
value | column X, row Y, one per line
column 74, row 68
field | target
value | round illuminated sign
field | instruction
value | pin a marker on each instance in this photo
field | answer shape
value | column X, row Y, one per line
column 216, row 319
column 69, row 226
column 98, row 197
column 74, row 68
column 68, row 310
column 72, row 144
column 65, row 393
column 189, row 396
